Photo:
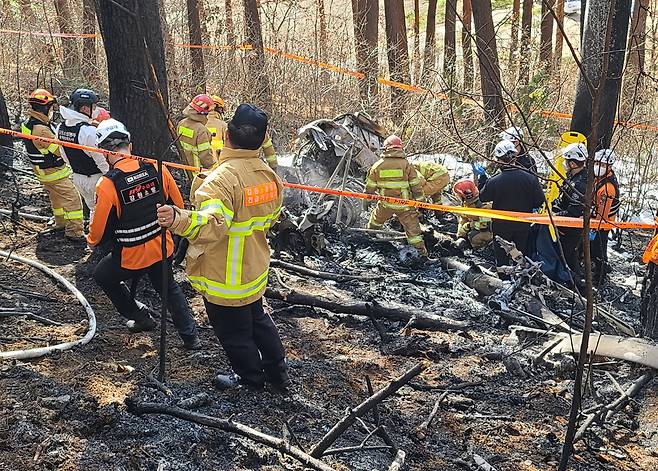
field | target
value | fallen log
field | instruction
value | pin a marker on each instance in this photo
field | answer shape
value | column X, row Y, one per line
column 232, row 427
column 363, row 408
column 421, row 319
column 28, row 216
column 322, row 274
column 473, row 277
column 637, row 350
column 29, row 315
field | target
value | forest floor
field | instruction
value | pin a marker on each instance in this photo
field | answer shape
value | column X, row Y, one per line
column 68, row 411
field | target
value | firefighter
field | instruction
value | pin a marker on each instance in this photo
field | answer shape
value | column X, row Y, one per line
column 100, row 114
column 473, row 230
column 194, row 136
column 228, row 257
column 269, row 152
column 434, row 178
column 50, row 168
column 523, row 159
column 606, row 207
column 393, row 175
column 126, row 215
column 216, row 125
column 513, row 189
column 77, row 128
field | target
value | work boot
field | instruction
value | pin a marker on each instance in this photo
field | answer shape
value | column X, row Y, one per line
column 142, row 321
column 280, row 385
column 226, row 381
column 191, row 342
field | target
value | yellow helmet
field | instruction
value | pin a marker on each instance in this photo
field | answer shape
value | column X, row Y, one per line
column 219, row 103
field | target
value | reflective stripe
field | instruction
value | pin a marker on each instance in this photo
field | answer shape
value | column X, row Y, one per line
column 51, row 177
column 393, row 185
column 58, row 211
column 187, row 132
column 52, row 148
column 256, row 223
column 137, row 229
column 197, row 219
column 73, row 214
column 393, row 205
column 142, row 237
column 26, row 130
column 370, row 182
column 212, row 130
column 212, row 204
column 203, row 146
column 267, row 144
column 36, row 158
column 200, row 218
column 271, row 158
column 222, row 290
column 391, row 173
column 414, row 182
column 415, row 239
column 233, row 259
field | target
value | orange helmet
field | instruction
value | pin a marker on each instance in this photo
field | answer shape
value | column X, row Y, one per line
column 219, row 103
column 41, row 97
column 101, row 114
column 393, row 142
column 465, row 189
column 202, row 104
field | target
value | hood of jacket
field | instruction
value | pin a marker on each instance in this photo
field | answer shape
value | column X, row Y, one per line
column 230, row 153
column 72, row 117
column 39, row 116
column 190, row 113
column 393, row 153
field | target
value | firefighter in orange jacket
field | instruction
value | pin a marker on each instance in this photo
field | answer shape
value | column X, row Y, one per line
column 49, row 166
column 606, row 207
column 126, row 205
column 228, row 258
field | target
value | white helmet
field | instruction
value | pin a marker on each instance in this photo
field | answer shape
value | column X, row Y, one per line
column 605, row 156
column 511, row 134
column 504, row 148
column 111, row 134
column 576, row 151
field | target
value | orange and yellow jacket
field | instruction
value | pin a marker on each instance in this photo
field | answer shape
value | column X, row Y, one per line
column 393, row 175
column 606, row 200
column 195, row 139
column 46, row 158
column 228, row 257
column 217, row 127
column 108, row 212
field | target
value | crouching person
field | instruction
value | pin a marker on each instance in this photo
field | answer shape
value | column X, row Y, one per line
column 473, row 230
column 228, row 257
column 126, row 214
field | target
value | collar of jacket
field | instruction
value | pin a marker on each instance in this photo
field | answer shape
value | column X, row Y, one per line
column 40, row 116
column 188, row 112
column 215, row 114
column 72, row 117
column 393, row 153
column 230, row 153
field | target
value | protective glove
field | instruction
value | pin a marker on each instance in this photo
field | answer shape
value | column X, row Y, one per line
column 479, row 170
column 592, row 235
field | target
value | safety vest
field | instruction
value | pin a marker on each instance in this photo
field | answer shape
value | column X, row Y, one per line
column 138, row 193
column 651, row 253
column 616, row 202
column 80, row 162
column 42, row 158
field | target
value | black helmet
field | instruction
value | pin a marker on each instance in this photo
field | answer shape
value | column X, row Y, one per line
column 83, row 97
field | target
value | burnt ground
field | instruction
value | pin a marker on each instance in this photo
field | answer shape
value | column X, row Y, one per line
column 67, row 411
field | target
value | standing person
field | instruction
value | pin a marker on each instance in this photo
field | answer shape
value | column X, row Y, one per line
column 77, row 128
column 571, row 202
column 434, row 178
column 194, row 136
column 228, row 258
column 513, row 189
column 217, row 125
column 50, row 168
column 515, row 136
column 269, row 152
column 606, row 208
column 472, row 230
column 126, row 215
column 393, row 175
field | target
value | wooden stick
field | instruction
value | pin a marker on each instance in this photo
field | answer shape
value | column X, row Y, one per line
column 232, row 427
column 421, row 431
column 321, row 274
column 29, row 315
column 343, row 424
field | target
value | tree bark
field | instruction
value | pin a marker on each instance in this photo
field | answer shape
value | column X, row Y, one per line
column 467, row 50
column 595, row 51
column 559, row 39
column 170, row 50
column 70, row 51
column 514, row 33
column 634, row 78
column 323, row 30
column 485, row 41
column 260, row 85
column 429, row 53
column 449, row 42
column 546, row 35
column 416, row 59
column 132, row 44
column 649, row 304
column 230, row 33
column 5, row 140
column 27, row 14
column 397, row 50
column 366, row 18
column 197, row 69
column 89, row 62
column 526, row 34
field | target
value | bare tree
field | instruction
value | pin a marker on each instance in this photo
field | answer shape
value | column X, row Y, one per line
column 5, row 140
column 170, row 50
column 89, row 62
column 27, row 14
column 230, row 32
column 526, row 34
column 514, row 32
column 71, row 53
column 260, row 86
column 366, row 18
column 467, row 51
column 487, row 53
column 429, row 53
column 322, row 16
column 634, row 76
column 546, row 35
column 449, row 42
column 559, row 40
column 397, row 49
column 416, row 53
column 197, row 69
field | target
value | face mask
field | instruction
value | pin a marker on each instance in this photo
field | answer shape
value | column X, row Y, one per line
column 95, row 113
column 599, row 170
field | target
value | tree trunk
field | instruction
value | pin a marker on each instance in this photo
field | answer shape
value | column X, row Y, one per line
column 649, row 304
column 5, row 140
column 595, row 51
column 526, row 34
column 634, row 79
column 130, row 76
column 323, row 30
column 467, row 51
column 416, row 60
column 197, row 69
column 449, row 43
column 485, row 41
column 260, row 85
column 203, row 22
column 27, row 14
column 514, row 33
column 366, row 19
column 429, row 54
column 70, row 51
column 170, row 50
column 559, row 39
column 546, row 35
column 230, row 33
column 89, row 62
column 397, row 50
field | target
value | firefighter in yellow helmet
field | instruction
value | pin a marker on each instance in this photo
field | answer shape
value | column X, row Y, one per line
column 195, row 139
column 49, row 166
column 393, row 175
column 434, row 178
column 217, row 125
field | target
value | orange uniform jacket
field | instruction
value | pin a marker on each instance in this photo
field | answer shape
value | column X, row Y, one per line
column 108, row 210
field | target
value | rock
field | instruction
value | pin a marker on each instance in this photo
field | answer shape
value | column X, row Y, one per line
column 55, row 403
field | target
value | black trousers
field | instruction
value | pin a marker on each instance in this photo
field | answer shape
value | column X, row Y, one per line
column 571, row 241
column 110, row 277
column 520, row 239
column 251, row 342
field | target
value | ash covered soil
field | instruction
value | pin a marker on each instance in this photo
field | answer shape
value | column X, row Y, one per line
column 67, row 411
